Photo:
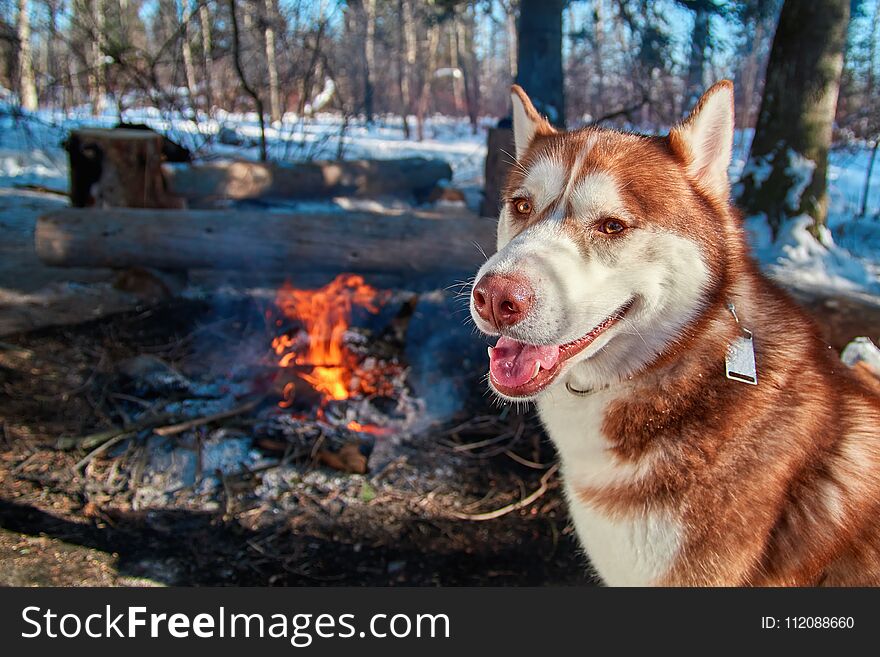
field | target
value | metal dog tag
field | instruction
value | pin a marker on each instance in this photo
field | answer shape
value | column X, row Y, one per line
column 740, row 360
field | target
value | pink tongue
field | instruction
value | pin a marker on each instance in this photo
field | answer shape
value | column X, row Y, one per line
column 512, row 363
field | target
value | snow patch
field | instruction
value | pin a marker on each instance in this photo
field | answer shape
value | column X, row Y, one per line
column 862, row 350
column 800, row 171
column 797, row 258
column 759, row 169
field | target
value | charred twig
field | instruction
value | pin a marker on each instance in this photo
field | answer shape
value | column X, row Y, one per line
column 174, row 429
column 21, row 466
column 526, row 501
column 100, row 449
column 95, row 439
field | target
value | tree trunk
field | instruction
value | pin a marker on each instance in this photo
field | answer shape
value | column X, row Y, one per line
column 272, row 62
column 512, row 44
column 258, row 103
column 700, row 36
column 369, row 8
column 186, row 53
column 52, row 69
column 411, row 244
column 469, row 67
column 749, row 78
column 97, row 72
column 207, row 55
column 539, row 62
column 430, row 66
column 409, row 47
column 455, row 65
column 786, row 172
column 402, row 68
column 872, row 52
column 599, row 107
column 27, row 88
column 499, row 159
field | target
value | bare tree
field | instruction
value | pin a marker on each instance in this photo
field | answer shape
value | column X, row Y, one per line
column 236, row 56
column 539, row 68
column 186, row 52
column 406, row 45
column 369, row 9
column 428, row 68
column 510, row 8
column 207, row 55
column 27, row 88
column 272, row 61
column 97, row 74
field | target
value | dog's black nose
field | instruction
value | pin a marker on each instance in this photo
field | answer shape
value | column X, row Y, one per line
column 503, row 300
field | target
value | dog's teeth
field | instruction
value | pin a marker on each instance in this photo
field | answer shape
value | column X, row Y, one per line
column 537, row 369
column 490, row 352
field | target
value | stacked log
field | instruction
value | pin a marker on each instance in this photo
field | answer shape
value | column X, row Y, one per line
column 410, row 244
column 240, row 180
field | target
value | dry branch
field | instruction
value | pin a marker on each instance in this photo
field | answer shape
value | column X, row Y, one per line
column 174, row 429
column 510, row 508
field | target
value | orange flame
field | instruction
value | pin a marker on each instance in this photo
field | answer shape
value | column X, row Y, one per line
column 325, row 314
column 367, row 428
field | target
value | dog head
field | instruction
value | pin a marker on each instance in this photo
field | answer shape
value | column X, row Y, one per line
column 608, row 245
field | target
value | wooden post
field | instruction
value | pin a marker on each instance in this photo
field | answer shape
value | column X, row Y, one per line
column 118, row 168
column 500, row 154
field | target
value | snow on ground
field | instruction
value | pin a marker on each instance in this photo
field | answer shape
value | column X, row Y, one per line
column 846, row 261
column 847, row 258
column 326, row 136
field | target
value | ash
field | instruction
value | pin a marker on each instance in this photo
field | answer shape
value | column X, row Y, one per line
column 198, row 430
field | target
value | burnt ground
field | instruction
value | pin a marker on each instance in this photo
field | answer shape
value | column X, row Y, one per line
column 71, row 515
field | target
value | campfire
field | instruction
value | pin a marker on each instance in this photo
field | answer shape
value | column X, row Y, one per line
column 316, row 347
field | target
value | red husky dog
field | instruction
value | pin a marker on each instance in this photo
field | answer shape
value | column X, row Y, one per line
column 707, row 435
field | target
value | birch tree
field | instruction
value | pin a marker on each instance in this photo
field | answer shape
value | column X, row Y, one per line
column 27, row 88
column 272, row 61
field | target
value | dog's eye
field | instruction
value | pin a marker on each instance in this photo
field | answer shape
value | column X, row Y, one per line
column 522, row 206
column 611, row 227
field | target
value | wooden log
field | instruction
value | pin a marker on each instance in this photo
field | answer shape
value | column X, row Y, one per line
column 119, row 168
column 500, row 153
column 409, row 244
column 280, row 180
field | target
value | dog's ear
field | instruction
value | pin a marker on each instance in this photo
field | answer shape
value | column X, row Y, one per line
column 704, row 140
column 527, row 122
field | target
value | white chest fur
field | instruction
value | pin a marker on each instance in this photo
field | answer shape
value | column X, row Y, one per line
column 633, row 549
